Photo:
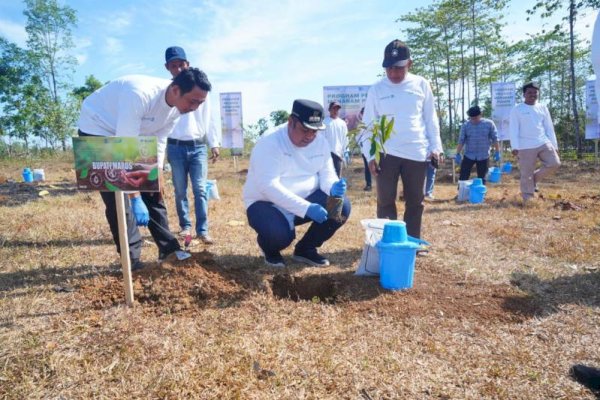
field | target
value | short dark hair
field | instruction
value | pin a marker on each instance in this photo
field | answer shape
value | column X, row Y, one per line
column 530, row 85
column 188, row 78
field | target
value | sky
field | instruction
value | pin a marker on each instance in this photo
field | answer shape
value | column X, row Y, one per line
column 273, row 51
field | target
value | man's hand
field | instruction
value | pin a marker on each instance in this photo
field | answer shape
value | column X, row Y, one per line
column 316, row 213
column 496, row 156
column 140, row 211
column 214, row 154
column 457, row 158
column 136, row 178
column 374, row 167
column 338, row 189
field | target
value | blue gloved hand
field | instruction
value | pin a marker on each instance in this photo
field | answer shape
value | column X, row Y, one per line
column 316, row 213
column 339, row 188
column 140, row 211
column 457, row 158
column 496, row 156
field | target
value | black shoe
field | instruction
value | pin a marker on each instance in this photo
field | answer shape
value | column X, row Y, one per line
column 137, row 265
column 587, row 376
column 274, row 260
column 367, row 188
column 310, row 257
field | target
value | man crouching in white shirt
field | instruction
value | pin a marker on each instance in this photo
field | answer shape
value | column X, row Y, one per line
column 289, row 179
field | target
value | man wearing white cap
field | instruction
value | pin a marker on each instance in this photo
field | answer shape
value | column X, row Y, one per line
column 289, row 179
column 336, row 133
column 408, row 99
column 187, row 148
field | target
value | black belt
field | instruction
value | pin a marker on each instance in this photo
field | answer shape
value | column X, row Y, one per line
column 195, row 142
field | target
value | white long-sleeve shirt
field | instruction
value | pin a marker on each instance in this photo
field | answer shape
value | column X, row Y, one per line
column 198, row 125
column 531, row 127
column 336, row 133
column 285, row 174
column 133, row 105
column 411, row 103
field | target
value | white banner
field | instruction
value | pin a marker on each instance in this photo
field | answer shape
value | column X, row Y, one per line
column 592, row 130
column 351, row 98
column 503, row 100
column 231, row 120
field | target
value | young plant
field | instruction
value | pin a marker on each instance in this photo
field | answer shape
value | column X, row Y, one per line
column 381, row 129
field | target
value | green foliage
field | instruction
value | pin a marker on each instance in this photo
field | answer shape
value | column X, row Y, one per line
column 91, row 85
column 279, row 117
column 380, row 130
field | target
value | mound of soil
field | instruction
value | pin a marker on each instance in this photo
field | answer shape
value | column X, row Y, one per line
column 174, row 287
column 199, row 282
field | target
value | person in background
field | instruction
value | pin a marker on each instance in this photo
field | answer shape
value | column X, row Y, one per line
column 336, row 133
column 532, row 137
column 359, row 140
column 289, row 179
column 187, row 150
column 138, row 105
column 416, row 136
column 430, row 181
column 477, row 135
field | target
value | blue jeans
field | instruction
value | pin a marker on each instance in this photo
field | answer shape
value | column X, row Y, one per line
column 274, row 233
column 190, row 160
column 430, row 179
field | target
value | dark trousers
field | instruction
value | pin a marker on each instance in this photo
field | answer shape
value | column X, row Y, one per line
column 367, row 171
column 412, row 174
column 273, row 229
column 467, row 165
column 337, row 164
column 158, row 225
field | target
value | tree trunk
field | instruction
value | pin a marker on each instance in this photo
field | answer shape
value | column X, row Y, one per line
column 572, row 65
column 450, row 126
column 474, row 55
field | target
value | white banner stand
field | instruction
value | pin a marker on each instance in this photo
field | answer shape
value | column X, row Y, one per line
column 124, row 242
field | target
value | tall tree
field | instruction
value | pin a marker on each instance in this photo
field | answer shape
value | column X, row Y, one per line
column 49, row 40
column 91, row 85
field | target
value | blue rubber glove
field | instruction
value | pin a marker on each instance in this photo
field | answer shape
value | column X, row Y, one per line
column 496, row 156
column 140, row 211
column 457, row 158
column 316, row 213
column 339, row 188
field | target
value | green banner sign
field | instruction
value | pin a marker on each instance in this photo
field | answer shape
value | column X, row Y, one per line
column 116, row 163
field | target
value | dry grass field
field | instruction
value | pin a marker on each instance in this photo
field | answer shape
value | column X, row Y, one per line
column 507, row 300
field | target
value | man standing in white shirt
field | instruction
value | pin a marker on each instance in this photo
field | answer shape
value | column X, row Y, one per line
column 289, row 179
column 532, row 137
column 138, row 105
column 415, row 138
column 187, row 153
column 336, row 133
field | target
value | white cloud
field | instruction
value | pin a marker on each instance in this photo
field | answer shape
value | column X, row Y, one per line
column 13, row 32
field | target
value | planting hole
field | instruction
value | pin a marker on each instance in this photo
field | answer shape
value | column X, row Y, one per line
column 315, row 288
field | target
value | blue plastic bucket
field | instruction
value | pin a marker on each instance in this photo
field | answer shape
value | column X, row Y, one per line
column 507, row 168
column 27, row 175
column 477, row 193
column 396, row 265
column 397, row 256
column 494, row 175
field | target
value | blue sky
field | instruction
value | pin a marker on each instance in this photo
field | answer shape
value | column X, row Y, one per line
column 271, row 51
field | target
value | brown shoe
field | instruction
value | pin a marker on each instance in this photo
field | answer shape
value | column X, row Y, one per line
column 206, row 239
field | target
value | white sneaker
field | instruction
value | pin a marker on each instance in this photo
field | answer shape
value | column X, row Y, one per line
column 185, row 232
column 182, row 255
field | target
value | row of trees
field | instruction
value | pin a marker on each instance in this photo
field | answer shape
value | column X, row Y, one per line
column 460, row 46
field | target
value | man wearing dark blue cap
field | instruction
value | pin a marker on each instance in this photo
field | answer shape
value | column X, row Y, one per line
column 187, row 151
column 289, row 179
column 408, row 99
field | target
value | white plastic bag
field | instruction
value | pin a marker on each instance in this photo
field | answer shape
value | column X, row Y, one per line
column 212, row 189
column 369, row 261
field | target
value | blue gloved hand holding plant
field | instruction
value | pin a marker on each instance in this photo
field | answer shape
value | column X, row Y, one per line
column 140, row 211
column 338, row 189
column 316, row 213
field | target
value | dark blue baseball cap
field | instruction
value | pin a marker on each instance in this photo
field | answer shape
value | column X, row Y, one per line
column 174, row 53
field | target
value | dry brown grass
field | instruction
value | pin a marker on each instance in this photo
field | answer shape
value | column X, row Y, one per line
column 507, row 300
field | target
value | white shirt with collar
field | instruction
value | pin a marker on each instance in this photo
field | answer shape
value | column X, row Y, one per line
column 284, row 174
column 198, row 125
column 411, row 103
column 531, row 127
column 336, row 133
column 133, row 105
